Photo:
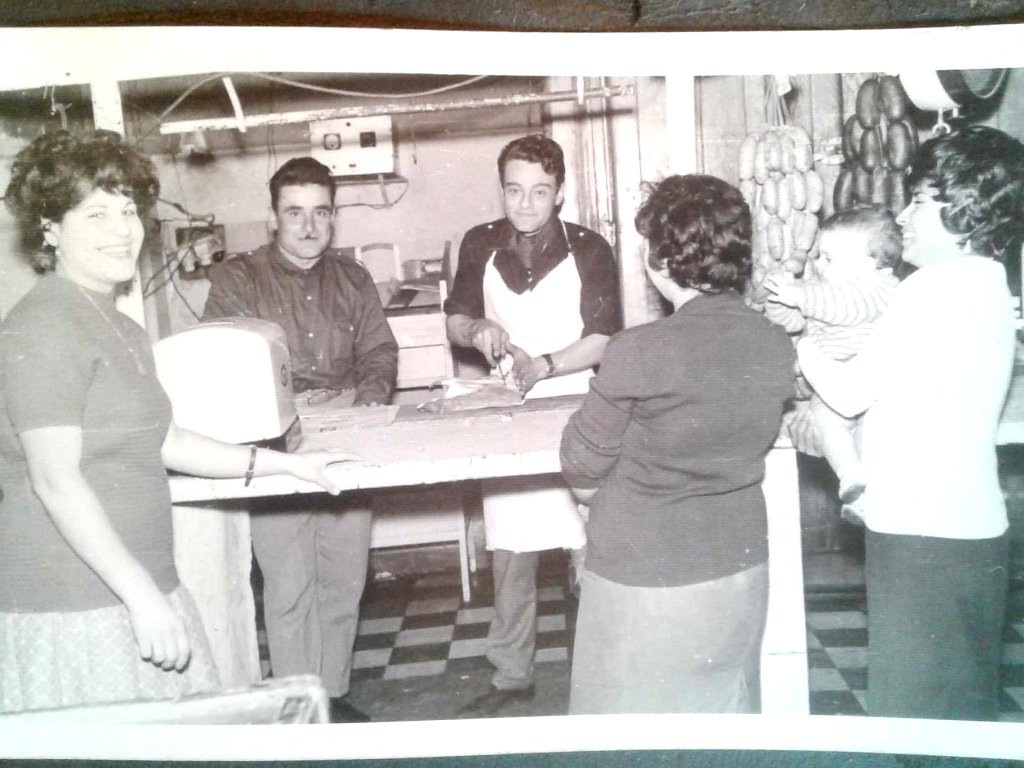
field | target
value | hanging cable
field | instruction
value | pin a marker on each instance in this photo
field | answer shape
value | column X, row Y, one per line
column 174, row 104
column 368, row 94
column 172, row 261
column 184, row 301
column 55, row 108
column 388, row 203
column 310, row 87
column 188, row 92
column 307, row 86
column 207, row 219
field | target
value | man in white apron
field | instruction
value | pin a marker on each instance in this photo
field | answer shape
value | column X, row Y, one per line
column 546, row 293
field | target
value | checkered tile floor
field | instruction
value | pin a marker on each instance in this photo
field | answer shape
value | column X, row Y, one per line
column 420, row 625
column 837, row 656
column 416, row 626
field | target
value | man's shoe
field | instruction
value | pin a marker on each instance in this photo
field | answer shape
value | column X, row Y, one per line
column 574, row 573
column 851, row 510
column 495, row 701
column 851, row 513
column 342, row 711
column 849, row 494
column 572, row 583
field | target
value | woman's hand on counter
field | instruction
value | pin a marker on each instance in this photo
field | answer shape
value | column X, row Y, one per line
column 310, row 467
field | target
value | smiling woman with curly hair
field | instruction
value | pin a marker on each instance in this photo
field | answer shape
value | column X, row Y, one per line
column 668, row 448
column 931, row 381
column 91, row 608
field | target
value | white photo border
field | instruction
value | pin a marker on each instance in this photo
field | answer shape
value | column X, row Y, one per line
column 37, row 57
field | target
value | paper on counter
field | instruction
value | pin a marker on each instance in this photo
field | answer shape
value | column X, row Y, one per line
column 471, row 394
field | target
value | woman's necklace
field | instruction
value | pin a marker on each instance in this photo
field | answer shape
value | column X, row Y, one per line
column 131, row 349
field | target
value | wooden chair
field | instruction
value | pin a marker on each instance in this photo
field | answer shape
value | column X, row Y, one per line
column 427, row 515
column 382, row 260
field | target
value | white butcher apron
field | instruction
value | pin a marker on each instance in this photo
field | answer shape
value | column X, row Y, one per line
column 530, row 514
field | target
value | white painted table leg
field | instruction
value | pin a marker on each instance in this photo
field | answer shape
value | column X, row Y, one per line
column 213, row 554
column 784, row 686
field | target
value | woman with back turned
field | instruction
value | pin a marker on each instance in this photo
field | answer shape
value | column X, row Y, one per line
column 669, row 449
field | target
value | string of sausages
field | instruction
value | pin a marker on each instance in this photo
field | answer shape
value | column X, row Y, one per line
column 879, row 141
column 785, row 195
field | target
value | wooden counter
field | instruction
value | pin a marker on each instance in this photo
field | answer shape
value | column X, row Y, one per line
column 418, row 448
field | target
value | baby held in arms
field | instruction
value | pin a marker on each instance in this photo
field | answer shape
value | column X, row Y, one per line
column 843, row 293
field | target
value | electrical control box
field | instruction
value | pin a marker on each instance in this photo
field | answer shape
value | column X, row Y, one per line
column 199, row 246
column 354, row 146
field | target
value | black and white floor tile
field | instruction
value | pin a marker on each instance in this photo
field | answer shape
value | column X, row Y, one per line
column 420, row 626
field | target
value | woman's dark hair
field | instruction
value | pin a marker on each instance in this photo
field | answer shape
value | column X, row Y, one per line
column 979, row 172
column 534, row 149
column 699, row 228
column 58, row 170
column 299, row 172
column 885, row 240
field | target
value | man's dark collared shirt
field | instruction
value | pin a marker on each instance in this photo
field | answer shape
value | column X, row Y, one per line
column 599, row 292
column 337, row 334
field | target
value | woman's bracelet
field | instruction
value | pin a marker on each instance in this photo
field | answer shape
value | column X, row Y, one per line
column 549, row 361
column 252, row 465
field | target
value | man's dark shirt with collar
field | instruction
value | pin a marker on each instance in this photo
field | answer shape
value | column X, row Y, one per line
column 599, row 293
column 338, row 337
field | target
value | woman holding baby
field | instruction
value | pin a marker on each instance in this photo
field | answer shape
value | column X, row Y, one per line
column 931, row 381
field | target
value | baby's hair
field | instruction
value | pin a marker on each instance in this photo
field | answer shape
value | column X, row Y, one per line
column 885, row 241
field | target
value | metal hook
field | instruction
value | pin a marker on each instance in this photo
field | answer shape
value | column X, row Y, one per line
column 941, row 127
column 55, row 108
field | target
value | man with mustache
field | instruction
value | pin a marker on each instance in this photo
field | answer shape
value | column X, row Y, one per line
column 313, row 553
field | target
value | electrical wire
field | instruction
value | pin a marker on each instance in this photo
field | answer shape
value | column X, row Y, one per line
column 207, row 219
column 174, row 104
column 56, row 108
column 272, row 162
column 170, row 266
column 775, row 107
column 368, row 94
column 299, row 84
column 188, row 92
column 177, row 290
column 388, row 203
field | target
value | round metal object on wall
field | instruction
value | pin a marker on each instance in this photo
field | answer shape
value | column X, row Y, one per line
column 952, row 88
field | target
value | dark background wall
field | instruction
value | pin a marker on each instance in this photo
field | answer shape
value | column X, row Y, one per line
column 543, row 15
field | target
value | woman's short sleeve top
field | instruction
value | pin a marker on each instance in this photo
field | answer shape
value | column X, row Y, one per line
column 69, row 358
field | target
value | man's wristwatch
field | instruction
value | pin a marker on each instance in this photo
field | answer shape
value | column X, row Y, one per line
column 550, row 363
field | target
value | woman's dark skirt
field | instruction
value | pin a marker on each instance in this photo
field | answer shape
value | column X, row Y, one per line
column 935, row 619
